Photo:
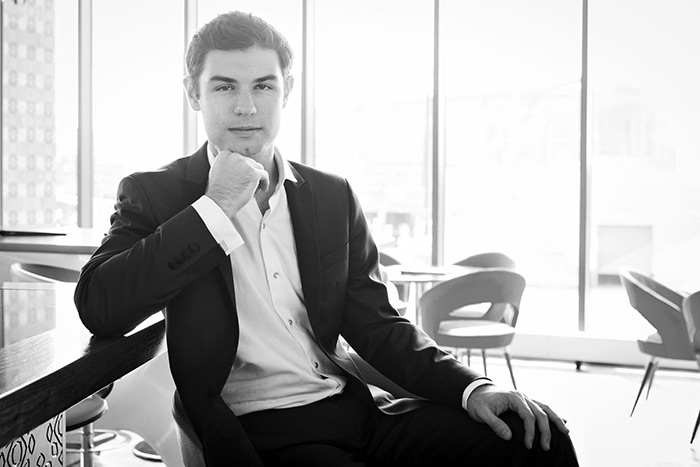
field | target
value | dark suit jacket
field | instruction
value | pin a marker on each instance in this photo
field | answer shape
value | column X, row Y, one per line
column 158, row 255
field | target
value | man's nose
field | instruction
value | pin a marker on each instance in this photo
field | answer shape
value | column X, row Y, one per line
column 245, row 105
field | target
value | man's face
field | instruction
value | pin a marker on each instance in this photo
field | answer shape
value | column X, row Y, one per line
column 241, row 94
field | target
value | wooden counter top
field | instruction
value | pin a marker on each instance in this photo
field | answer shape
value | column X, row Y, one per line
column 44, row 374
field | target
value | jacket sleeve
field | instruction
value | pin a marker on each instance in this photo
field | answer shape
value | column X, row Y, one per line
column 390, row 343
column 149, row 254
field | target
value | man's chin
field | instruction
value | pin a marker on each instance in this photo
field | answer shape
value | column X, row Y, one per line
column 254, row 151
column 258, row 152
column 248, row 152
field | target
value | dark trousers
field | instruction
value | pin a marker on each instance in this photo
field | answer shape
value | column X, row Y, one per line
column 346, row 430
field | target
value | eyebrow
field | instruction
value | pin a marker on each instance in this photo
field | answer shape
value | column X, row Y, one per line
column 226, row 79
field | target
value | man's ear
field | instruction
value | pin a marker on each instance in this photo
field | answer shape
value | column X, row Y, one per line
column 288, row 85
column 192, row 90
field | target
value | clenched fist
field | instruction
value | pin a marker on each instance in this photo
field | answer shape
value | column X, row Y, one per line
column 234, row 180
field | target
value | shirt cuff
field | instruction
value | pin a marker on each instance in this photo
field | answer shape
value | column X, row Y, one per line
column 218, row 223
column 470, row 388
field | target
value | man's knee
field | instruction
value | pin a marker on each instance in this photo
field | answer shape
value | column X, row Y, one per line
column 560, row 452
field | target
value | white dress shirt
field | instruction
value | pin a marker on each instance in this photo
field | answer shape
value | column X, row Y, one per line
column 278, row 362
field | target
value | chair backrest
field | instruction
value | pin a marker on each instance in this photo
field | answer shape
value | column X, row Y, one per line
column 383, row 273
column 392, row 290
column 691, row 313
column 190, row 446
column 491, row 259
column 661, row 307
column 486, row 286
column 31, row 272
column 387, row 260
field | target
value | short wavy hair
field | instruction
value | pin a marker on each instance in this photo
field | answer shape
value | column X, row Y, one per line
column 235, row 31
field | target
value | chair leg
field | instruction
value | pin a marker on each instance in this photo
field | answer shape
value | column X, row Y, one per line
column 483, row 357
column 510, row 368
column 647, row 372
column 654, row 367
column 695, row 429
column 469, row 357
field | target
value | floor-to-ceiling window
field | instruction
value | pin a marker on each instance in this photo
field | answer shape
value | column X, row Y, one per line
column 39, row 114
column 65, row 31
column 511, row 89
column 137, row 92
column 645, row 152
column 373, row 85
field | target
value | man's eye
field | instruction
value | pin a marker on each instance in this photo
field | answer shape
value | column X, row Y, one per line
column 264, row 87
column 224, row 87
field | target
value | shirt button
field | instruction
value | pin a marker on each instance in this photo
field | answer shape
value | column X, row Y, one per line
column 316, row 365
column 263, row 226
column 290, row 322
column 276, row 275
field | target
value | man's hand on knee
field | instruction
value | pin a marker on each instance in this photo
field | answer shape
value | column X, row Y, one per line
column 487, row 402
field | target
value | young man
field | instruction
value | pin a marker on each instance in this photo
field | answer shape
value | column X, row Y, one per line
column 261, row 266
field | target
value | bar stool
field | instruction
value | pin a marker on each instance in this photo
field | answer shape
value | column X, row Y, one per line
column 81, row 416
column 79, row 426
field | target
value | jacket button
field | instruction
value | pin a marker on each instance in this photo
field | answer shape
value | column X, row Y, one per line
column 212, row 391
column 194, row 247
column 186, row 253
column 179, row 259
column 172, row 265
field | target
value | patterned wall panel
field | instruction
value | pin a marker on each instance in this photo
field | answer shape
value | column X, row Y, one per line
column 41, row 447
column 28, row 98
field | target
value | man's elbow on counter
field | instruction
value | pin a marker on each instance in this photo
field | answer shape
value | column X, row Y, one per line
column 97, row 317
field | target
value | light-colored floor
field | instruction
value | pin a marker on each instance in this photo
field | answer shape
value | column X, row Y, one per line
column 121, row 456
column 596, row 401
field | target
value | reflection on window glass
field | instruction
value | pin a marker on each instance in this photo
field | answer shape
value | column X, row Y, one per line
column 511, row 79
column 645, row 152
column 39, row 119
column 373, row 106
column 286, row 17
column 137, row 73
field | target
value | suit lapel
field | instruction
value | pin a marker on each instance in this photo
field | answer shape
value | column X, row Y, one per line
column 302, row 211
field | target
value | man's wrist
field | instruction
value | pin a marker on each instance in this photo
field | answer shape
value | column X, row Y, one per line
column 218, row 223
column 483, row 381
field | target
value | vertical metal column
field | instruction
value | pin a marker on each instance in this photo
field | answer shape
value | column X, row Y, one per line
column 308, row 106
column 584, row 188
column 438, row 154
column 85, row 146
column 2, row 128
column 189, row 116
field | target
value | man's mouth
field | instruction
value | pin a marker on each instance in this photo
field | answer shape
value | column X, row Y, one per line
column 244, row 128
